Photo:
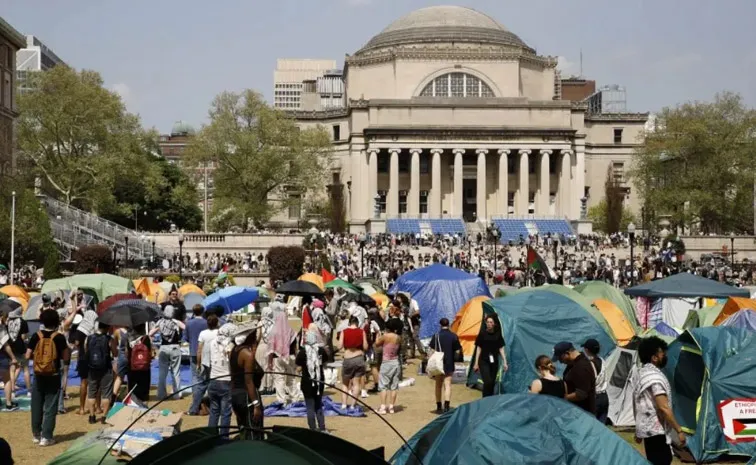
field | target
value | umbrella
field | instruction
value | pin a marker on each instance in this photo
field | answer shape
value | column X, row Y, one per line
column 34, row 307
column 370, row 288
column 191, row 299
column 130, row 313
column 231, row 298
column 2, row 267
column 349, row 287
column 361, row 299
column 105, row 304
column 301, row 288
column 8, row 306
column 313, row 278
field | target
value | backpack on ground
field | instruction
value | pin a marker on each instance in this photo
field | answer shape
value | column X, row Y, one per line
column 45, row 355
column 98, row 352
column 140, row 356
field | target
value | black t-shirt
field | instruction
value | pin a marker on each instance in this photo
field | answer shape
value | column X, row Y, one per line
column 60, row 345
column 19, row 346
column 581, row 377
column 489, row 345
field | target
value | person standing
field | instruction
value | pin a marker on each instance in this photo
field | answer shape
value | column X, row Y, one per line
column 591, row 348
column 194, row 327
column 655, row 423
column 448, row 343
column 388, row 383
column 219, row 388
column 169, row 355
column 49, row 350
column 179, row 310
column 579, row 375
column 354, row 342
column 489, row 347
column 17, row 330
column 311, row 359
column 547, row 383
column 246, row 377
column 139, row 361
column 100, row 351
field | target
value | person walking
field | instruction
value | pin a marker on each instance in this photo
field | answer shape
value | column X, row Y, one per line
column 194, row 327
column 579, row 375
column 547, row 383
column 139, row 361
column 655, row 423
column 388, row 383
column 49, row 350
column 246, row 377
column 169, row 355
column 18, row 330
column 219, row 388
column 311, row 359
column 100, row 352
column 591, row 348
column 448, row 343
column 354, row 342
column 489, row 347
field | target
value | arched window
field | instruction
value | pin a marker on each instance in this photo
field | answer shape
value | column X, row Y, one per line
column 457, row 85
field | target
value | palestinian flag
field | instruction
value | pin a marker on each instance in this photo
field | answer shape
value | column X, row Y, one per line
column 327, row 277
column 537, row 263
column 744, row 426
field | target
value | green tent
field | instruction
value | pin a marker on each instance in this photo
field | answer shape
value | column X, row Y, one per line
column 85, row 451
column 102, row 285
column 702, row 317
column 593, row 290
column 349, row 287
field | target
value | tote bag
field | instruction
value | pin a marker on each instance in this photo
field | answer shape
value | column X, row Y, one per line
column 435, row 365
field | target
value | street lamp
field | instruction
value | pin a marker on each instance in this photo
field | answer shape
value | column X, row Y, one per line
column 13, row 236
column 152, row 256
column 495, row 235
column 631, row 234
column 115, row 257
column 732, row 250
column 556, row 254
column 362, row 255
column 126, row 240
column 181, row 253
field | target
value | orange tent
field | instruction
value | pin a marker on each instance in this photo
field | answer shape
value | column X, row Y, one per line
column 189, row 288
column 381, row 299
column 467, row 323
column 15, row 291
column 155, row 294
column 314, row 279
column 621, row 328
column 142, row 286
column 733, row 305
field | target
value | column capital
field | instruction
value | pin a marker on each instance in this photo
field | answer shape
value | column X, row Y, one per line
column 436, row 151
column 546, row 152
column 524, row 151
column 394, row 150
column 416, row 151
column 567, row 152
column 458, row 151
column 372, row 151
column 504, row 151
column 481, row 151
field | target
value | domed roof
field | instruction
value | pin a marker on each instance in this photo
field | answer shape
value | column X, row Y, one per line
column 181, row 128
column 444, row 24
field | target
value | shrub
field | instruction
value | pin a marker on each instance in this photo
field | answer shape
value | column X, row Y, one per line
column 172, row 279
column 285, row 263
column 93, row 259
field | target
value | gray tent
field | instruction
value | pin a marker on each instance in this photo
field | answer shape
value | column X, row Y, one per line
column 686, row 285
column 622, row 367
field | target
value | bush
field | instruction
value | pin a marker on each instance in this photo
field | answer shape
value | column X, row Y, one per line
column 172, row 279
column 93, row 259
column 285, row 263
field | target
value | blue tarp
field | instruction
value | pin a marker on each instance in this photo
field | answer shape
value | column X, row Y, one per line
column 666, row 330
column 532, row 323
column 299, row 409
column 522, row 429
column 440, row 291
column 686, row 285
column 745, row 319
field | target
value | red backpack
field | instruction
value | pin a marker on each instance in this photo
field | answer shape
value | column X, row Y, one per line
column 140, row 356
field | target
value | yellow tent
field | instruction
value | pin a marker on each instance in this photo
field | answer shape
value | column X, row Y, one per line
column 189, row 288
column 733, row 305
column 14, row 291
column 622, row 328
column 381, row 299
column 142, row 286
column 155, row 294
column 314, row 279
column 467, row 323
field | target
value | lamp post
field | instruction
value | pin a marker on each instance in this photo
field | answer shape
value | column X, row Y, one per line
column 631, row 234
column 13, row 236
column 732, row 250
column 115, row 258
column 152, row 256
column 181, row 254
column 126, row 240
column 362, row 255
column 495, row 235
column 556, row 255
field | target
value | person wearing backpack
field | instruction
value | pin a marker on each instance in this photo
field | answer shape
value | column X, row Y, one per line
column 139, row 360
column 49, row 350
column 100, row 351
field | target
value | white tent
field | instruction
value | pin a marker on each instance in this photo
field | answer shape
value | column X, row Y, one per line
column 622, row 366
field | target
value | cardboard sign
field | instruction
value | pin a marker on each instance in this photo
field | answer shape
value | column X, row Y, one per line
column 156, row 420
column 738, row 419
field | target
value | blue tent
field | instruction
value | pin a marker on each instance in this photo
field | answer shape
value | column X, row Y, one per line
column 686, row 285
column 710, row 368
column 745, row 319
column 523, row 429
column 532, row 322
column 440, row 291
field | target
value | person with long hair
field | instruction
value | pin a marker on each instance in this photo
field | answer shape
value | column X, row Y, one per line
column 246, row 377
column 547, row 383
column 489, row 346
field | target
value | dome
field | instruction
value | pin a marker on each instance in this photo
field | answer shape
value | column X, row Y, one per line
column 181, row 128
column 444, row 24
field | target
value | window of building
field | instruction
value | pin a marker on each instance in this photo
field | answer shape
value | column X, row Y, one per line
column 295, row 206
column 617, row 135
column 336, row 132
column 457, row 85
column 423, row 201
column 404, row 163
column 336, row 178
column 424, row 163
column 402, row 201
column 382, row 201
column 510, row 201
column 383, row 162
column 7, row 90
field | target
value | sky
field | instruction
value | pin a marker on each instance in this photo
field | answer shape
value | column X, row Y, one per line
column 169, row 58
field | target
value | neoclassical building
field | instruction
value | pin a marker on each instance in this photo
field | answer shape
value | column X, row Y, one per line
column 451, row 115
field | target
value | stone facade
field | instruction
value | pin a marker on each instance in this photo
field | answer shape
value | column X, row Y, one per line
column 451, row 115
column 10, row 42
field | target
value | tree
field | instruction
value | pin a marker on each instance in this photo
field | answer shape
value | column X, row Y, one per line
column 698, row 165
column 285, row 263
column 598, row 215
column 94, row 258
column 614, row 199
column 77, row 135
column 260, row 154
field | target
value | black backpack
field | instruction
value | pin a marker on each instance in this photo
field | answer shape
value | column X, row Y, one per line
column 98, row 352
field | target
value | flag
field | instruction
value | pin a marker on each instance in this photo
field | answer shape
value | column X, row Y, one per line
column 327, row 277
column 537, row 263
column 132, row 401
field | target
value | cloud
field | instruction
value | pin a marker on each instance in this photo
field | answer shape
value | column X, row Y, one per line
column 123, row 90
column 567, row 67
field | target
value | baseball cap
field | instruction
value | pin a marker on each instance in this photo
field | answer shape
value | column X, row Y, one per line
column 561, row 349
column 592, row 345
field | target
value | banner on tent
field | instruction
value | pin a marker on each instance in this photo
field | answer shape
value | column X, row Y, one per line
column 738, row 419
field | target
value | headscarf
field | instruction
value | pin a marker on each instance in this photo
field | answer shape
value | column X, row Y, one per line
column 281, row 336
column 168, row 328
column 14, row 324
column 361, row 315
column 223, row 343
column 266, row 323
column 321, row 320
column 313, row 343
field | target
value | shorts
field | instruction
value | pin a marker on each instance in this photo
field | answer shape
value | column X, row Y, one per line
column 122, row 366
column 102, row 382
column 353, row 368
column 22, row 360
column 389, row 376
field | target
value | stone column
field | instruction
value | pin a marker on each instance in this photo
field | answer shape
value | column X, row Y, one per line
column 481, row 190
column 579, row 187
column 392, row 200
column 458, row 190
column 564, row 184
column 523, row 186
column 372, row 180
column 503, row 197
column 435, row 193
column 542, row 207
column 413, row 200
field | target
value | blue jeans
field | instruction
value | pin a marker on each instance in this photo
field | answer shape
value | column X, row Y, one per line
column 220, row 405
column 169, row 359
column 199, row 385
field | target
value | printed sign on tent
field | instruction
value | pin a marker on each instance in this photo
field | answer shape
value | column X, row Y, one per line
column 738, row 419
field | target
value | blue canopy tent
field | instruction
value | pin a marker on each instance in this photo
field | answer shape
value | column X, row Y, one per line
column 523, row 429
column 710, row 368
column 686, row 285
column 440, row 291
column 531, row 323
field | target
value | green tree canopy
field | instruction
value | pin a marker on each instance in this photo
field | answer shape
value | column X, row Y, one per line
column 698, row 165
column 598, row 214
column 260, row 156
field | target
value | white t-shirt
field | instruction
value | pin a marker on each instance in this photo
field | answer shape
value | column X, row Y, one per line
column 206, row 336
column 219, row 363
